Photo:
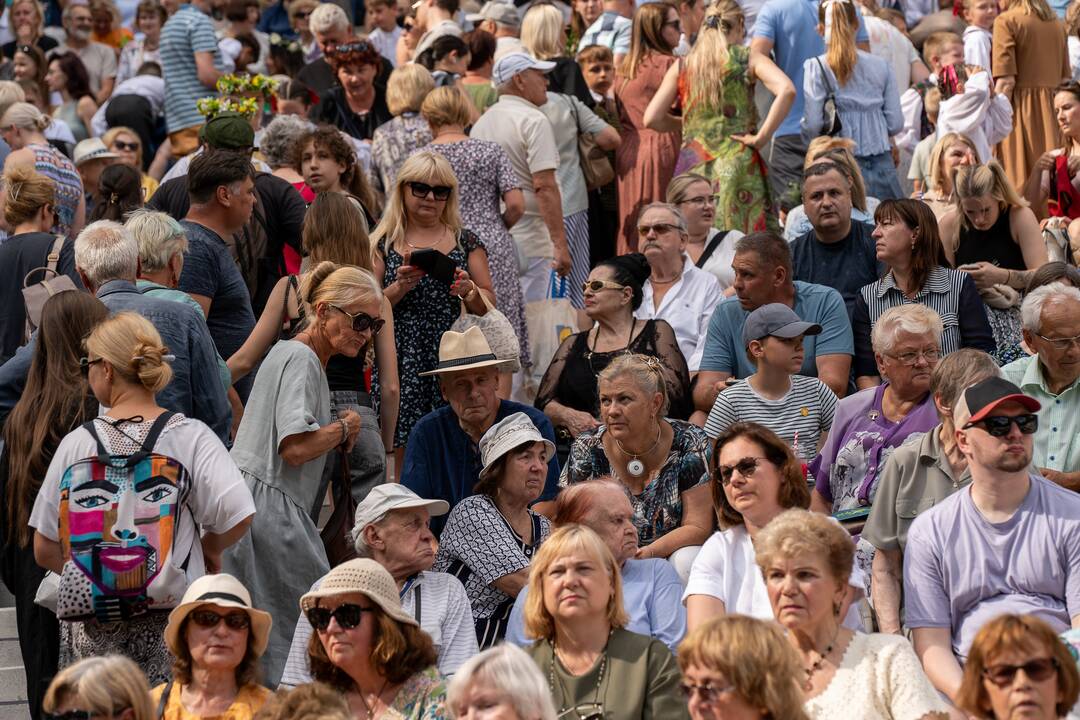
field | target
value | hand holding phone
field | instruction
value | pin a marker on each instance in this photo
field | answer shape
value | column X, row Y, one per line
column 434, row 263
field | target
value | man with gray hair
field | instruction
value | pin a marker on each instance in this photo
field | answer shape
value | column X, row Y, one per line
column 392, row 529
column 98, row 59
column 331, row 27
column 677, row 290
column 501, row 19
column 107, row 261
column 1051, row 326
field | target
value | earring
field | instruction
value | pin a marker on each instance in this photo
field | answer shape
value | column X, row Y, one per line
column 836, row 609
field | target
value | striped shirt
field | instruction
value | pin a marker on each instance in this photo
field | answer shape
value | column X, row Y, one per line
column 187, row 32
column 950, row 293
column 611, row 30
column 439, row 604
column 805, row 411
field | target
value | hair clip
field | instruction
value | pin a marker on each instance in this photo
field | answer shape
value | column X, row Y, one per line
column 713, row 21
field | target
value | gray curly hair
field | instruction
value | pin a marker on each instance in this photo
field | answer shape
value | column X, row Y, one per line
column 279, row 139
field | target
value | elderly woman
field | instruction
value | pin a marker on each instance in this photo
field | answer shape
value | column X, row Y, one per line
column 490, row 537
column 908, row 487
column 216, row 637
column 129, row 150
column 422, row 214
column 870, row 423
column 614, row 290
column 277, row 144
column 150, row 17
column 1005, row 647
column 502, row 683
column 284, row 439
column 662, row 463
column 355, row 104
column 908, row 243
column 951, row 151
column 595, row 667
column 806, row 559
column 369, row 649
column 398, row 139
column 651, row 588
column 677, row 291
column 110, row 687
column 755, row 478
column 183, row 523
column 740, row 668
column 708, row 247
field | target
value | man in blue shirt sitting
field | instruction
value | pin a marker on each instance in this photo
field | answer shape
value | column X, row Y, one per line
column 442, row 460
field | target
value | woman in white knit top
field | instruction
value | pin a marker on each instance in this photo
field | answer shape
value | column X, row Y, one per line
column 806, row 559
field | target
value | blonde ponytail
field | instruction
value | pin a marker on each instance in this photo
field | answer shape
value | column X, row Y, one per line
column 707, row 64
column 840, row 52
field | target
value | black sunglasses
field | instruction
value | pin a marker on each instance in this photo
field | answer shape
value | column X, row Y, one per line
column 301, row 15
column 129, row 147
column 421, row 190
column 71, row 715
column 85, row 363
column 209, row 619
column 999, row 425
column 347, row 616
column 746, row 467
column 362, row 321
column 1037, row 670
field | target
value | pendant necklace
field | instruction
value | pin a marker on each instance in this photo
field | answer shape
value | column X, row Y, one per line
column 635, row 467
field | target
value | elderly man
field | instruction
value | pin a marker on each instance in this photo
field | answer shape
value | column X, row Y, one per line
column 501, row 20
column 677, row 291
column 1051, row 327
column 1008, row 543
column 442, row 459
column 516, row 123
column 331, row 27
column 762, row 267
column 392, row 529
column 652, row 590
column 192, row 64
column 107, row 260
column 837, row 251
column 99, row 60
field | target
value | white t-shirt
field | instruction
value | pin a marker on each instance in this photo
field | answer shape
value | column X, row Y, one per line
column 727, row 570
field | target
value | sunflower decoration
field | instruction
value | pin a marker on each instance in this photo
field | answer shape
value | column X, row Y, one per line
column 244, row 84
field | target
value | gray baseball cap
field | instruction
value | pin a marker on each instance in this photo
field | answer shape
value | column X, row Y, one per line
column 777, row 320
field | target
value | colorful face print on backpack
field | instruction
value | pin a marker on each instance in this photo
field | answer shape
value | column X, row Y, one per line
column 118, row 523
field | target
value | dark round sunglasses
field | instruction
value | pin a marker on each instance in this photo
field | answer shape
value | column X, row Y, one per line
column 1037, row 670
column 746, row 467
column 348, row 616
column 999, row 425
column 362, row 322
column 421, row 190
column 209, row 618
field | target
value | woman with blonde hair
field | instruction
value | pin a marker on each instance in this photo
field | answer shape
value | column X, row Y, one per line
column 709, row 248
column 743, row 668
column 1030, row 60
column 422, row 214
column 127, row 144
column 396, row 140
column 543, row 35
column 595, row 667
column 840, row 151
column 714, row 88
column 805, row 558
column 993, row 235
column 645, row 160
column 867, row 100
column 22, row 127
column 26, row 22
column 110, row 687
column 950, row 152
column 284, row 439
column 194, row 512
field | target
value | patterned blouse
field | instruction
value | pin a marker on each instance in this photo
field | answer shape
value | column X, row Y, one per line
column 422, row 697
column 395, row 141
column 658, row 509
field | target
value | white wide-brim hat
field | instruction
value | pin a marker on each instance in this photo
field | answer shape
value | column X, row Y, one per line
column 226, row 591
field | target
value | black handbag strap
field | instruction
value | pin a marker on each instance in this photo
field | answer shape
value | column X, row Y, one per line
column 715, row 243
column 825, row 75
column 147, row 444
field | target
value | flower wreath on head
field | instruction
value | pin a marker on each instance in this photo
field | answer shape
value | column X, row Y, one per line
column 243, row 83
column 213, row 106
column 292, row 46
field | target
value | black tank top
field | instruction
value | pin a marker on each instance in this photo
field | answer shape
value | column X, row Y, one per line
column 995, row 246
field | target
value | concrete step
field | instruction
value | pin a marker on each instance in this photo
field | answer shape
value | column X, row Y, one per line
column 12, row 686
column 15, row 710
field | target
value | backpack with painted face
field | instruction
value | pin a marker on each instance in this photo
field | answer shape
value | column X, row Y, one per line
column 118, row 526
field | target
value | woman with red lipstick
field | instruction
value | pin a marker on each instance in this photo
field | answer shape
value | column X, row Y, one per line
column 806, row 560
column 1018, row 668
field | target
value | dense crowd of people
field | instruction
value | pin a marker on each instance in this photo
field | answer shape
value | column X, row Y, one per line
column 711, row 359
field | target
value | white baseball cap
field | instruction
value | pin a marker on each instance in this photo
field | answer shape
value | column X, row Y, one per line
column 392, row 496
column 514, row 63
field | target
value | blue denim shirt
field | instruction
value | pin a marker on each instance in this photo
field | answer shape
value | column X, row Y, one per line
column 195, row 389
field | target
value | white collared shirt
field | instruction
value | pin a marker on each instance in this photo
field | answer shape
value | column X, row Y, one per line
column 687, row 307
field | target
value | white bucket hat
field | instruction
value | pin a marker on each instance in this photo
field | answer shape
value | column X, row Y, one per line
column 224, row 590
column 510, row 432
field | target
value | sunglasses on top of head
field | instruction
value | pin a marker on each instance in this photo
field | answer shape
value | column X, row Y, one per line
column 1000, row 425
column 422, row 190
column 348, row 616
column 362, row 322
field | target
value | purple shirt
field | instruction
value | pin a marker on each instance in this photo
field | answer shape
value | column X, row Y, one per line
column 961, row 571
column 860, row 441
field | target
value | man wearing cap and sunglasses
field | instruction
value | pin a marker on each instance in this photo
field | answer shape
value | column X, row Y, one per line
column 1008, row 543
column 392, row 528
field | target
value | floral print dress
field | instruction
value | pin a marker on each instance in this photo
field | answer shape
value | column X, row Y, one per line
column 737, row 171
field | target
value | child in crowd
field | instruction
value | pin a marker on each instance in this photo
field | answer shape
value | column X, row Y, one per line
column 971, row 107
column 384, row 29
column 939, row 50
column 920, row 159
column 979, row 15
column 798, row 408
column 598, row 66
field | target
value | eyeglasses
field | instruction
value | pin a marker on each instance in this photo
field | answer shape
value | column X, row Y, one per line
column 746, row 467
column 595, row 286
column 209, row 619
column 931, row 355
column 85, row 363
column 347, row 616
column 586, row 711
column 422, row 190
column 1037, row 670
column 128, row 147
column 301, row 15
column 702, row 200
column 709, row 694
column 1060, row 343
column 658, row 228
column 999, row 425
column 362, row 322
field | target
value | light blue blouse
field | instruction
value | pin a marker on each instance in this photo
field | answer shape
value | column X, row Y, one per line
column 869, row 104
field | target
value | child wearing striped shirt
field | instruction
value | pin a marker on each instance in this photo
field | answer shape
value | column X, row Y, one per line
column 798, row 408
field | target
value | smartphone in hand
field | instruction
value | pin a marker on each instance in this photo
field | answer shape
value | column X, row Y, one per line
column 434, row 263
